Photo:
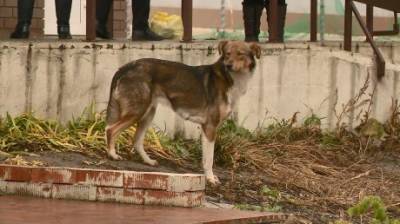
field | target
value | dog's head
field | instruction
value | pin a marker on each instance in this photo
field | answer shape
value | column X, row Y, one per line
column 239, row 56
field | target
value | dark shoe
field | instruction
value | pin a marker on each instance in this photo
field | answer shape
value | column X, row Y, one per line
column 21, row 32
column 64, row 32
column 102, row 32
column 146, row 35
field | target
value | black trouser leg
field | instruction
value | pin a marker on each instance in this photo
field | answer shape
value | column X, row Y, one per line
column 102, row 11
column 25, row 11
column 252, row 11
column 281, row 18
column 140, row 11
column 63, row 12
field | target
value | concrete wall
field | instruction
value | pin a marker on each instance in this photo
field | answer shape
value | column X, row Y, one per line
column 58, row 80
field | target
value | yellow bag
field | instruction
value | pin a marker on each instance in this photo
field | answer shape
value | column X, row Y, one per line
column 166, row 25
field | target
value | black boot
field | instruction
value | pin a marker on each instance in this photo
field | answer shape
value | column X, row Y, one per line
column 147, row 34
column 281, row 19
column 21, row 31
column 102, row 32
column 252, row 11
column 63, row 12
column 141, row 30
column 102, row 12
column 64, row 32
column 25, row 10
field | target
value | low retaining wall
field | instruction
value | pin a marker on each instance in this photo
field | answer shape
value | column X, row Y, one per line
column 58, row 80
column 143, row 188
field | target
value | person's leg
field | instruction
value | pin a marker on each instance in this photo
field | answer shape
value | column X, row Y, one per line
column 140, row 14
column 282, row 7
column 140, row 23
column 281, row 18
column 63, row 12
column 102, row 11
column 252, row 11
column 25, row 11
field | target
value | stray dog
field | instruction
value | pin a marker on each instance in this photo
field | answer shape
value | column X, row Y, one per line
column 202, row 94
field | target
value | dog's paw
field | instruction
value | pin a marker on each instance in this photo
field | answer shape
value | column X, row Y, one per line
column 151, row 162
column 114, row 156
column 212, row 179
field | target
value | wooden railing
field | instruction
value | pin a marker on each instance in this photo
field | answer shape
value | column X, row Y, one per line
column 350, row 8
column 367, row 27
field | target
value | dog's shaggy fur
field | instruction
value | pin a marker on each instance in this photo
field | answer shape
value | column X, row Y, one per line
column 202, row 94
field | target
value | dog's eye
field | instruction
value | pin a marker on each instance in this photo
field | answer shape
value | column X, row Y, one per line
column 228, row 54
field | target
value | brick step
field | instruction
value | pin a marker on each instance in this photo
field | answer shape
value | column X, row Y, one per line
column 143, row 188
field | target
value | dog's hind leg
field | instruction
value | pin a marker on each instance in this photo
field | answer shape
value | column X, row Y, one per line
column 207, row 144
column 112, row 132
column 141, row 129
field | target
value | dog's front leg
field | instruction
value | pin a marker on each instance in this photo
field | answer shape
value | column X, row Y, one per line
column 207, row 143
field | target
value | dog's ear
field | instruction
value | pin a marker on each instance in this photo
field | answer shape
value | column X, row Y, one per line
column 221, row 46
column 256, row 50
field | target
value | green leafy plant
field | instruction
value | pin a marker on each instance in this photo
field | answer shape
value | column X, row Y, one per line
column 375, row 205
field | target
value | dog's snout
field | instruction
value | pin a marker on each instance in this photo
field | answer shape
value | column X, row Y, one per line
column 229, row 67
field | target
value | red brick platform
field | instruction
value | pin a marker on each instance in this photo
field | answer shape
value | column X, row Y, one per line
column 23, row 210
column 142, row 188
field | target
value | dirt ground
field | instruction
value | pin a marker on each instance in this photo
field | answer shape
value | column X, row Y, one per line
column 332, row 182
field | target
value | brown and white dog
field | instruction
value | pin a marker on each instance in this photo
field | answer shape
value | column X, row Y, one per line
column 202, row 94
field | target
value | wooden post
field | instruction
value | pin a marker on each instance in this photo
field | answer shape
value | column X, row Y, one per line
column 313, row 20
column 187, row 19
column 347, row 25
column 273, row 24
column 90, row 20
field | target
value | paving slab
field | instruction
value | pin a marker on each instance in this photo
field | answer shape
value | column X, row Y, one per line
column 23, row 210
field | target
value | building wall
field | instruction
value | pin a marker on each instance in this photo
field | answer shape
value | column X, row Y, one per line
column 119, row 18
column 8, row 18
column 9, row 12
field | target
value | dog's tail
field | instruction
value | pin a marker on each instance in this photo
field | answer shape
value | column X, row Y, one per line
column 120, row 73
column 113, row 106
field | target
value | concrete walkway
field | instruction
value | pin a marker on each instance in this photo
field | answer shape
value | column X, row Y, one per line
column 24, row 210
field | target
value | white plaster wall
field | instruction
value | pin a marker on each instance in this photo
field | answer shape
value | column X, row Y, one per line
column 58, row 80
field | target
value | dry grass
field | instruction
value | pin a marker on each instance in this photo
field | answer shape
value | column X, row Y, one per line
column 313, row 171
